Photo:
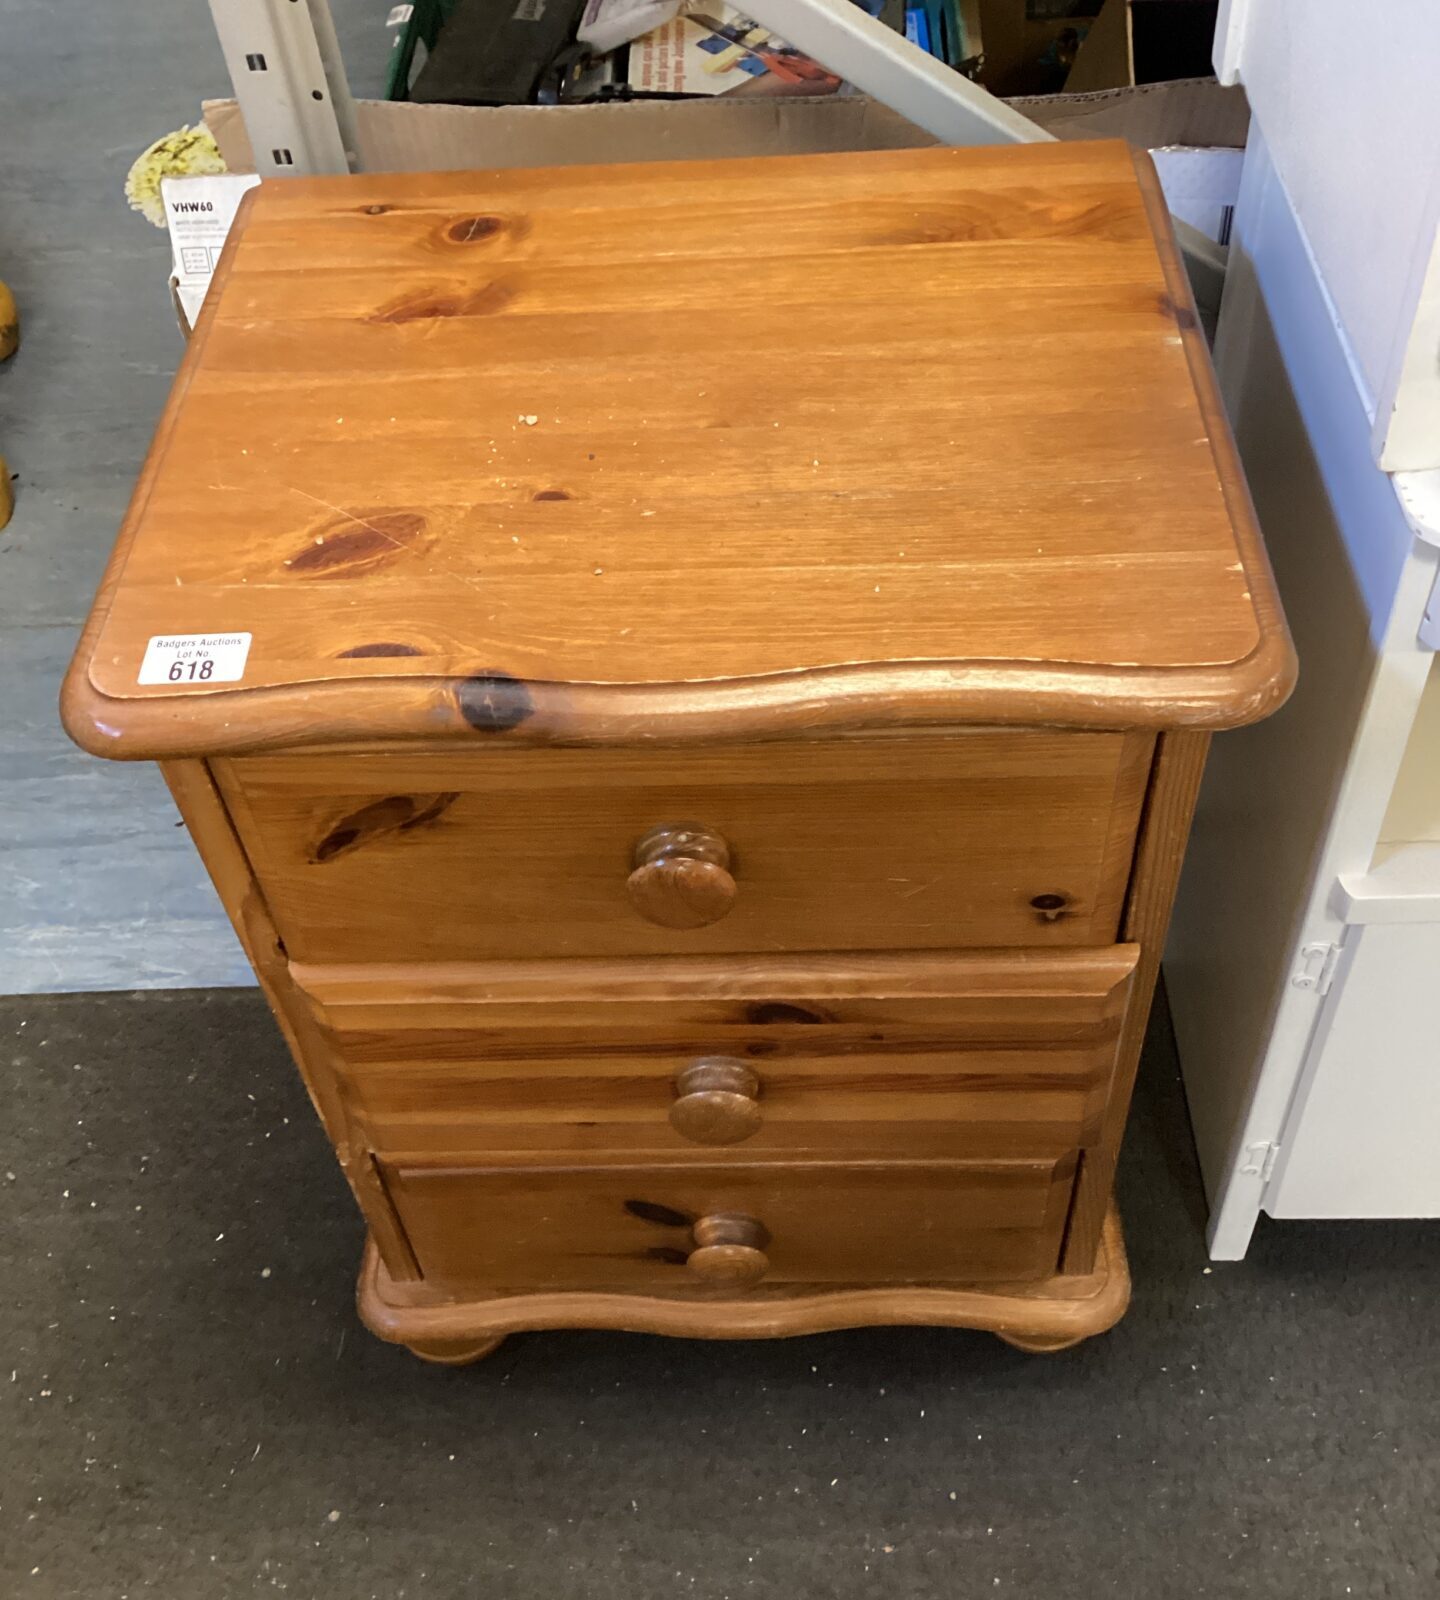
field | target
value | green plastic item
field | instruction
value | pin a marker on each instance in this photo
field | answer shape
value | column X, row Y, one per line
column 422, row 26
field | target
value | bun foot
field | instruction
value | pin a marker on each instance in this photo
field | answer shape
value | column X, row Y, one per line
column 1041, row 1343
column 455, row 1352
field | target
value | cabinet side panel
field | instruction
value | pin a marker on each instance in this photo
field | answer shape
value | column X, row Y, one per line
column 208, row 822
column 1174, row 784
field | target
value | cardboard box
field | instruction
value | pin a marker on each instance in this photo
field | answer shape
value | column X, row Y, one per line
column 396, row 136
column 1195, row 111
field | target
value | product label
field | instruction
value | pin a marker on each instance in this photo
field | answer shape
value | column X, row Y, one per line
column 184, row 658
column 199, row 212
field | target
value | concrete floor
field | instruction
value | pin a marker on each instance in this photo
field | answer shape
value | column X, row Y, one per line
column 190, row 1410
column 98, row 888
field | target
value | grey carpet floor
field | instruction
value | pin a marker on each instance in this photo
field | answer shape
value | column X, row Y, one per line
column 190, row 1409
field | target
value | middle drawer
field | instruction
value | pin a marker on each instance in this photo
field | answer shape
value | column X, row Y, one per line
column 995, row 1055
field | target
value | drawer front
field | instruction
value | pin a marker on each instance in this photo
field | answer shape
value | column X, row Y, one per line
column 972, row 840
column 725, row 1229
column 999, row 1056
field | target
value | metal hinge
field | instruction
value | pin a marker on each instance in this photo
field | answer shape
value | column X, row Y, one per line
column 1317, row 967
column 1419, row 494
column 1430, row 622
column 1260, row 1159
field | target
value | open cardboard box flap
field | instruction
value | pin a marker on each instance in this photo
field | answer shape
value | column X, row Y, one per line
column 397, row 136
column 1187, row 111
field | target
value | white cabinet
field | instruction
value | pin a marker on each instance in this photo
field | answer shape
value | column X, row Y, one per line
column 1304, row 961
column 1363, row 1136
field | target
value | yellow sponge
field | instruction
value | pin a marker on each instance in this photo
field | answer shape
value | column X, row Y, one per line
column 9, row 322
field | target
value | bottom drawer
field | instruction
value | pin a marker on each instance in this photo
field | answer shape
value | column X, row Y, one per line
column 658, row 1228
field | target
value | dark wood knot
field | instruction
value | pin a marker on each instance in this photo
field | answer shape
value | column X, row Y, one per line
column 662, row 1216
column 494, row 702
column 1051, row 906
column 473, row 230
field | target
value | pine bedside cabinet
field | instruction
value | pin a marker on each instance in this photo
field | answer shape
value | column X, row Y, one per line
column 690, row 681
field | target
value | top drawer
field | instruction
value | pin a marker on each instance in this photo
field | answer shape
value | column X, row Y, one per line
column 973, row 839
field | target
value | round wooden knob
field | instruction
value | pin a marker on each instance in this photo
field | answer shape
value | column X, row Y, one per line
column 729, row 1249
column 715, row 1101
column 682, row 876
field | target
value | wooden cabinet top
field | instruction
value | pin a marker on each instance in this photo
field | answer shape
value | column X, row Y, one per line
column 691, row 449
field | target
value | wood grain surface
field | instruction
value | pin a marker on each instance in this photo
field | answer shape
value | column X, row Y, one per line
column 981, row 839
column 617, row 1226
column 1000, row 1055
column 678, row 449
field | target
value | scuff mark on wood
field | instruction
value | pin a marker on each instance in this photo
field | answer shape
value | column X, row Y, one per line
column 1182, row 316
